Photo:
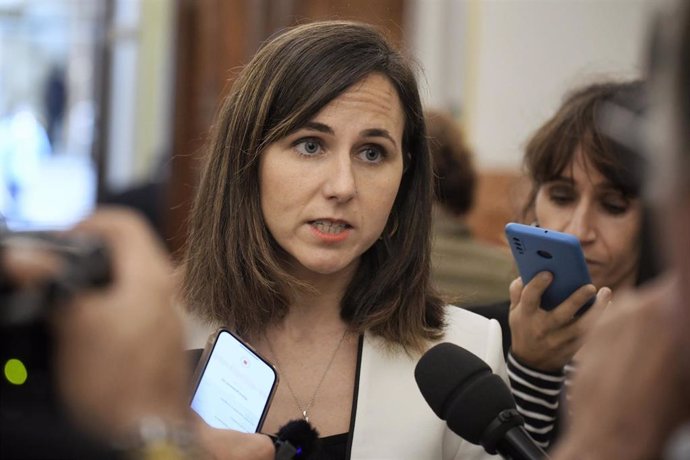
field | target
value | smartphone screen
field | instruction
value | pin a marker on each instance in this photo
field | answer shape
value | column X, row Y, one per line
column 235, row 386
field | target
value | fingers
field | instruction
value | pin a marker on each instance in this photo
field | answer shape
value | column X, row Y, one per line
column 230, row 445
column 122, row 229
column 515, row 291
column 530, row 299
column 135, row 251
column 141, row 269
column 566, row 311
column 575, row 331
column 595, row 312
column 29, row 266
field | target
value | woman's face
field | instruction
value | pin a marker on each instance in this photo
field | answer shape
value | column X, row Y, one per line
column 327, row 189
column 584, row 203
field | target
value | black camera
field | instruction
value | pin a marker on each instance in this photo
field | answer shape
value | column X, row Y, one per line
column 83, row 261
column 28, row 391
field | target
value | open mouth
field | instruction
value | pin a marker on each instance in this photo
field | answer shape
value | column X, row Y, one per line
column 330, row 227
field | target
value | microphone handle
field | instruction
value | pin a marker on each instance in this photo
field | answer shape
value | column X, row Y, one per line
column 284, row 450
column 516, row 444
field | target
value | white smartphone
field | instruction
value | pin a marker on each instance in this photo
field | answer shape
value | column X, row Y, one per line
column 234, row 385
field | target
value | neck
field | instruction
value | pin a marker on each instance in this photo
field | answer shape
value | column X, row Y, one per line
column 627, row 282
column 317, row 308
column 311, row 316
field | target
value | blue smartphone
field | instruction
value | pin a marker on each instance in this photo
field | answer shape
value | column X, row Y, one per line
column 234, row 384
column 538, row 250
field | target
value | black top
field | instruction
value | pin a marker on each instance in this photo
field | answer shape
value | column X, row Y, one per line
column 333, row 447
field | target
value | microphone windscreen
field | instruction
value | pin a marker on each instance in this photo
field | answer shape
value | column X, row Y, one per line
column 302, row 435
column 461, row 389
column 444, row 368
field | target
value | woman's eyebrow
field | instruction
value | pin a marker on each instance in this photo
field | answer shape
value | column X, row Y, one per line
column 316, row 126
column 373, row 132
column 376, row 132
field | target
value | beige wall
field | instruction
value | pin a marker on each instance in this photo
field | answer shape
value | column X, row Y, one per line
column 510, row 61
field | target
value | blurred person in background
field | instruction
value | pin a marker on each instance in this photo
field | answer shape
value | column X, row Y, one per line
column 55, row 103
column 463, row 269
column 630, row 396
column 589, row 185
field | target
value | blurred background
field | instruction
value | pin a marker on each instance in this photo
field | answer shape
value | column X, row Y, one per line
column 111, row 100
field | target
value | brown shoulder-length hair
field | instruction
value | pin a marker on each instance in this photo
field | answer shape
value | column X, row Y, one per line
column 232, row 269
column 579, row 124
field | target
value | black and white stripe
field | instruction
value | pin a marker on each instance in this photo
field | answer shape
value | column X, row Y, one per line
column 537, row 395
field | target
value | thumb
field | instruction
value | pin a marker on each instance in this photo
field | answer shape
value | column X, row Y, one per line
column 515, row 291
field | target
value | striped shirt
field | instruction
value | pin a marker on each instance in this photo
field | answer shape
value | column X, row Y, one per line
column 537, row 395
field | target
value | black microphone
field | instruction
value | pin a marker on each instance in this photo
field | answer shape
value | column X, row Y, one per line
column 476, row 403
column 297, row 439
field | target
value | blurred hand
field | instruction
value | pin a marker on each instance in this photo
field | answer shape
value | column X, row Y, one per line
column 120, row 348
column 631, row 389
column 119, row 354
column 547, row 340
column 233, row 445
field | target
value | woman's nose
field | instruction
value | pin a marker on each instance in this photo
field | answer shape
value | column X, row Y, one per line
column 340, row 185
column 582, row 224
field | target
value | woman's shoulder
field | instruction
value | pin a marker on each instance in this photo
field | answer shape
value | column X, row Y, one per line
column 464, row 316
column 476, row 333
column 498, row 311
column 480, row 316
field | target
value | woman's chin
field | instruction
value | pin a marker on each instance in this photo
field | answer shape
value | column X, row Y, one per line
column 328, row 267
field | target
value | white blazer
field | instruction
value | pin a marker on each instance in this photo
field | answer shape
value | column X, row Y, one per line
column 392, row 419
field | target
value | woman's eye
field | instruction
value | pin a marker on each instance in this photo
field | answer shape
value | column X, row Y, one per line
column 372, row 154
column 308, row 147
column 615, row 206
column 561, row 196
column 615, row 210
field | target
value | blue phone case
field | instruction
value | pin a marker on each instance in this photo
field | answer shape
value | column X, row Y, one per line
column 537, row 250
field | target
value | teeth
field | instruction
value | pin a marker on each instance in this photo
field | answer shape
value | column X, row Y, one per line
column 329, row 227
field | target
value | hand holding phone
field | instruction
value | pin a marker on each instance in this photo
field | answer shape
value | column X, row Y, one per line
column 235, row 385
column 538, row 250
